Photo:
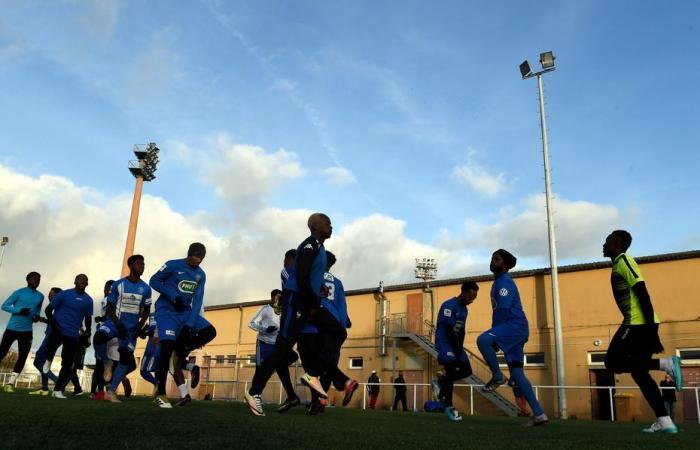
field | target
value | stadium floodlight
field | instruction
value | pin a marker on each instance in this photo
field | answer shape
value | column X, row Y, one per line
column 5, row 240
column 426, row 269
column 525, row 69
column 143, row 169
column 547, row 62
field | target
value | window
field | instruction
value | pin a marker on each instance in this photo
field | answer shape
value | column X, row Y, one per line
column 251, row 360
column 534, row 359
column 207, row 360
column 231, row 359
column 356, row 362
column 531, row 359
column 689, row 356
column 219, row 359
column 596, row 358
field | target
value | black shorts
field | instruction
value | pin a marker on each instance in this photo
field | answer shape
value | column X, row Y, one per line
column 632, row 347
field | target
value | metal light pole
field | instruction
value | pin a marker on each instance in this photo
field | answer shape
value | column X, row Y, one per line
column 143, row 169
column 426, row 270
column 547, row 62
column 5, row 240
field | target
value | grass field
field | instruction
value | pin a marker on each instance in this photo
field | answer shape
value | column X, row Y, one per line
column 31, row 422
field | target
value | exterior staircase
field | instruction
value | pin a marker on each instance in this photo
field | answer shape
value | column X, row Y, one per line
column 425, row 342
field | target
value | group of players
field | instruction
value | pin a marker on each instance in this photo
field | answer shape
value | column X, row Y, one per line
column 310, row 312
column 631, row 349
column 174, row 328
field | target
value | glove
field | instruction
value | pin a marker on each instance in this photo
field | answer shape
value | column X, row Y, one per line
column 143, row 332
column 271, row 329
column 179, row 304
column 25, row 311
column 85, row 339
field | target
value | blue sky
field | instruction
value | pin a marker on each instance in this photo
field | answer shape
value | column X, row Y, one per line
column 406, row 121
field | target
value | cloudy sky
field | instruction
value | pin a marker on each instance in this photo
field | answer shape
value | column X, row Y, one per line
column 406, row 121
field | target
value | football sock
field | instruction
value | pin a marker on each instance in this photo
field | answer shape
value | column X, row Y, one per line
column 183, row 390
column 518, row 374
column 119, row 373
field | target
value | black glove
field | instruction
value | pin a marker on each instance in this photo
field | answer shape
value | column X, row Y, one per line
column 121, row 329
column 179, row 304
column 85, row 339
column 25, row 311
column 271, row 329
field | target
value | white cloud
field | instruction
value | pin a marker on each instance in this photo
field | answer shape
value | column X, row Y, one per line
column 581, row 228
column 479, row 179
column 100, row 17
column 339, row 176
column 243, row 175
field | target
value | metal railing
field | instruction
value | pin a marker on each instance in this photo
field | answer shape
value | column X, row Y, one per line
column 27, row 380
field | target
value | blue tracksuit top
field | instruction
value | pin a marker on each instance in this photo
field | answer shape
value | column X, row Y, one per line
column 177, row 279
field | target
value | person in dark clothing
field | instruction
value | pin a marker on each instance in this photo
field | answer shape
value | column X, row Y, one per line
column 373, row 389
column 400, row 392
column 669, row 395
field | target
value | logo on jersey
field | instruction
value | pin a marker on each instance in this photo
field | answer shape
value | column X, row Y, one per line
column 187, row 286
column 328, row 277
column 198, row 277
column 140, row 290
column 448, row 312
column 503, row 292
column 309, row 246
column 170, row 332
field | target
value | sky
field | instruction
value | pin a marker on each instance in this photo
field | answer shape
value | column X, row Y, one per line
column 407, row 122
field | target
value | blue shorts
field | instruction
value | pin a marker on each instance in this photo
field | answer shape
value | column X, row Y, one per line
column 169, row 323
column 149, row 360
column 262, row 351
column 511, row 339
column 128, row 342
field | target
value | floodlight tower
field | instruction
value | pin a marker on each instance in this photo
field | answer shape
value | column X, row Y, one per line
column 426, row 270
column 143, row 168
column 5, row 240
column 547, row 62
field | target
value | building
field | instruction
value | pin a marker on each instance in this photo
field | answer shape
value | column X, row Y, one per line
column 589, row 320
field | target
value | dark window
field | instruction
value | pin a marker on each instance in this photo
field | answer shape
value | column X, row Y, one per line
column 356, row 363
column 690, row 356
column 534, row 359
column 231, row 359
column 596, row 358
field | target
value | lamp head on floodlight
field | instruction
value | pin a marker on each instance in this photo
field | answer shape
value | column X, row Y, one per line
column 547, row 60
column 525, row 69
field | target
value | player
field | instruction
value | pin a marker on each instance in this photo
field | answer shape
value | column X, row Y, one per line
column 180, row 326
column 266, row 323
column 302, row 291
column 65, row 313
column 128, row 308
column 449, row 341
column 509, row 332
column 23, row 305
column 202, row 333
column 42, row 360
column 637, row 339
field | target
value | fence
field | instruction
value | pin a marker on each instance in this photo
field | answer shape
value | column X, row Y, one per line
column 29, row 380
column 277, row 393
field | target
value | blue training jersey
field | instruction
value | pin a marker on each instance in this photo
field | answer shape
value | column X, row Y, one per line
column 70, row 309
column 451, row 327
column 335, row 301
column 25, row 297
column 310, row 268
column 128, row 298
column 505, row 301
column 177, row 279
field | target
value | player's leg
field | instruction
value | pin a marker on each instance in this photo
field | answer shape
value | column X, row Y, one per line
column 101, row 340
column 286, row 380
column 515, row 357
column 8, row 337
column 70, row 346
column 168, row 326
column 332, row 336
column 291, row 321
column 24, row 345
column 486, row 342
column 127, row 364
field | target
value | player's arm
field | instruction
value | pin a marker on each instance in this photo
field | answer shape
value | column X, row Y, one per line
column 446, row 323
column 9, row 304
column 145, row 308
column 197, row 301
column 36, row 311
column 159, row 282
column 256, row 323
column 629, row 270
column 305, row 261
column 88, row 328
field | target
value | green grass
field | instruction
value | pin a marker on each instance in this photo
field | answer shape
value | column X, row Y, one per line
column 44, row 422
